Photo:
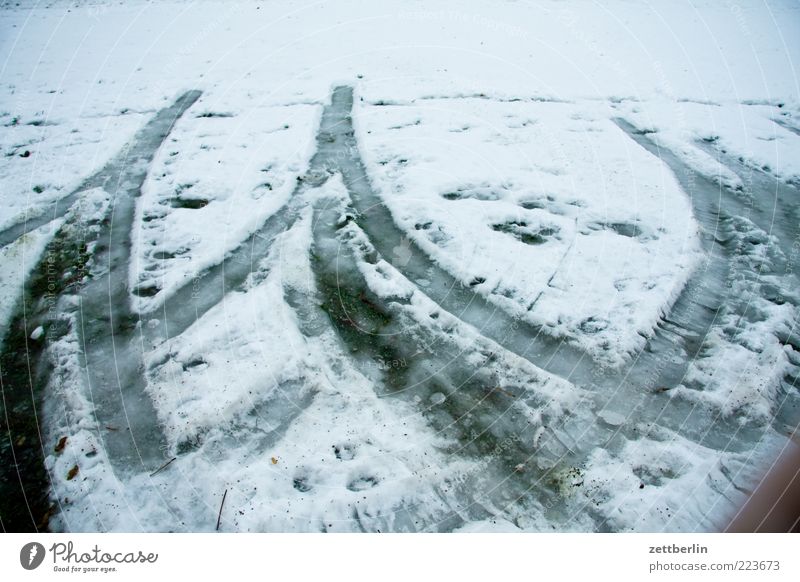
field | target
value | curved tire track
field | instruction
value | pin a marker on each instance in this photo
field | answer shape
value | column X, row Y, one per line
column 108, row 330
column 476, row 415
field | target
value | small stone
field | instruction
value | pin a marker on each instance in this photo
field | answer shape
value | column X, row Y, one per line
column 37, row 333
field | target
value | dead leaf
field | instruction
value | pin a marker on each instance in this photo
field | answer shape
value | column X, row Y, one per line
column 274, row 461
column 62, row 442
column 72, row 473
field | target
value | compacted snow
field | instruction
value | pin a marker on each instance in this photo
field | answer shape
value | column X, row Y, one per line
column 388, row 267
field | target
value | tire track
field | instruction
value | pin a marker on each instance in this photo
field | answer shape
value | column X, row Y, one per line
column 476, row 413
column 474, row 404
column 369, row 327
column 357, row 314
column 770, row 202
column 492, row 411
column 786, row 125
column 678, row 339
column 107, row 330
column 139, row 151
column 640, row 389
column 337, row 151
column 463, row 301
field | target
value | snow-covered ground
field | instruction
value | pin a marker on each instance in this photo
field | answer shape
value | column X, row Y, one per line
column 241, row 166
column 569, row 223
column 536, row 270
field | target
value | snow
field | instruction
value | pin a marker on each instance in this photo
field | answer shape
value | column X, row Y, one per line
column 231, row 360
column 332, row 437
column 747, row 358
column 488, row 526
column 662, row 482
column 495, row 135
column 46, row 157
column 568, row 225
column 223, row 171
column 700, row 132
